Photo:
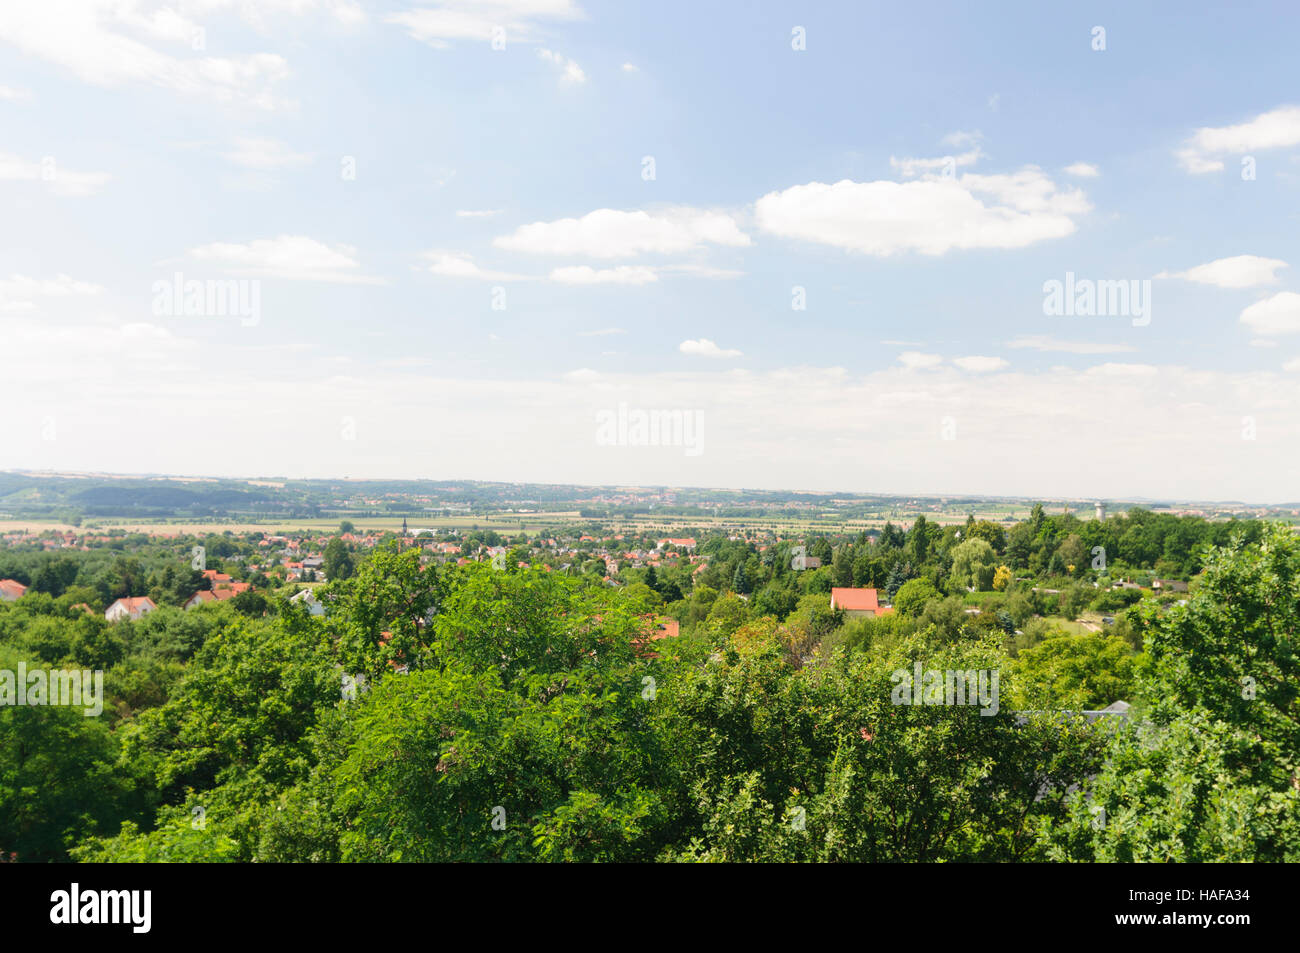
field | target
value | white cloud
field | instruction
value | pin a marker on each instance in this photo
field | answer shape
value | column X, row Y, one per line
column 700, row 271
column 913, row 167
column 266, row 154
column 452, row 264
column 1292, row 365
column 706, row 348
column 1277, row 315
column 570, row 72
column 629, row 68
column 477, row 213
column 916, row 360
column 610, row 233
column 622, row 275
column 1123, row 370
column 20, row 293
column 122, row 42
column 932, row 215
column 978, row 364
column 52, row 174
column 961, row 138
column 1276, row 129
column 1240, row 271
column 13, row 94
column 295, row 257
column 1042, row 342
column 442, row 22
column 1083, row 170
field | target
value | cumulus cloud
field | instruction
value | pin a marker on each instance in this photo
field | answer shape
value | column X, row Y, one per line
column 295, row 257
column 123, row 42
column 1240, row 271
column 978, row 364
column 1273, row 316
column 1083, row 170
column 609, row 233
column 1123, row 370
column 916, row 360
column 1275, row 129
column 706, row 348
column 454, row 264
column 932, row 215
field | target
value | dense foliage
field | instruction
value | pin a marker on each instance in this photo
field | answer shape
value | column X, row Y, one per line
column 472, row 712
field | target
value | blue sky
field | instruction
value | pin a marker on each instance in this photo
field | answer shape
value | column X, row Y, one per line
column 916, row 176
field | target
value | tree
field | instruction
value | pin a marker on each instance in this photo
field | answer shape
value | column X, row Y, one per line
column 1001, row 578
column 337, row 561
column 739, row 580
column 897, row 576
column 918, row 542
column 973, row 564
column 1209, row 771
column 346, row 527
column 912, row 596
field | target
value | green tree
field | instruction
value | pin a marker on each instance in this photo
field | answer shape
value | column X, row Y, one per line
column 974, row 563
column 337, row 561
column 913, row 595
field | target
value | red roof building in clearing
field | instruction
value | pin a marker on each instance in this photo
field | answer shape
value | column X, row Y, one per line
column 131, row 607
column 856, row 603
column 657, row 627
column 685, row 542
column 11, row 589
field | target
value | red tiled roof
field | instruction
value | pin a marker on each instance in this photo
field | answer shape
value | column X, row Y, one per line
column 12, row 587
column 854, row 600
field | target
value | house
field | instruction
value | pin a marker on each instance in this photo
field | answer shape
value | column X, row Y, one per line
column 202, row 597
column 308, row 598
column 1168, row 585
column 657, row 627
column 11, row 589
column 687, row 543
column 132, row 607
column 857, row 603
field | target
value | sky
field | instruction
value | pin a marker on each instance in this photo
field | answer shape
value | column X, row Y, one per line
column 1015, row 249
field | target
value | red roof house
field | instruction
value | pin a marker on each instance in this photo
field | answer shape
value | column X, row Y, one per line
column 856, row 602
